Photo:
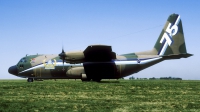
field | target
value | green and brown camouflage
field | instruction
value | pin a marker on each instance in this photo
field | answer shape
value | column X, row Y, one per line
column 98, row 62
column 178, row 47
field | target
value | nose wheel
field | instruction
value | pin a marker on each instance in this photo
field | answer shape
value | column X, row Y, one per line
column 30, row 80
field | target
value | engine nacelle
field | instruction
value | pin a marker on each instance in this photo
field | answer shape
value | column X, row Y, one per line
column 74, row 57
column 76, row 73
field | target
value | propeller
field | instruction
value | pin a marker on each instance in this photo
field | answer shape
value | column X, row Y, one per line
column 62, row 56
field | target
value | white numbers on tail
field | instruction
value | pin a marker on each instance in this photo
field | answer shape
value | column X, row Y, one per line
column 167, row 36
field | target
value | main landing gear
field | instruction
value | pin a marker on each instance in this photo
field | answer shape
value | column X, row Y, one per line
column 30, row 80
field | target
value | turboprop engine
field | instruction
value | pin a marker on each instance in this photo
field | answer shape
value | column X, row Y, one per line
column 74, row 57
column 77, row 72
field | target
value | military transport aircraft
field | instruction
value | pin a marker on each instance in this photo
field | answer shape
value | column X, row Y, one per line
column 98, row 62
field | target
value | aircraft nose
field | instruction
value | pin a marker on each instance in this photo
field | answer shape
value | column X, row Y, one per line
column 13, row 70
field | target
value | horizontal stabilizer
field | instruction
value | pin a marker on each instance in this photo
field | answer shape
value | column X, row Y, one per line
column 177, row 56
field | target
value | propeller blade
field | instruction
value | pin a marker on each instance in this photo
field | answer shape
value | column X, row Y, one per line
column 62, row 56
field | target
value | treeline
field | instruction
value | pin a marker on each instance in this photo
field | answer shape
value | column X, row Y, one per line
column 153, row 78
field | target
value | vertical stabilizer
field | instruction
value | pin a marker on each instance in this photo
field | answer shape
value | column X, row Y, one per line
column 171, row 40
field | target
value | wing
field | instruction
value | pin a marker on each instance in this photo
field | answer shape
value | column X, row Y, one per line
column 93, row 53
column 99, row 53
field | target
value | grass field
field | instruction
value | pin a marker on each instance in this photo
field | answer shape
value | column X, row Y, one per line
column 106, row 96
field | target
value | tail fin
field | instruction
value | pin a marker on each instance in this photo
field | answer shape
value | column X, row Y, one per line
column 171, row 40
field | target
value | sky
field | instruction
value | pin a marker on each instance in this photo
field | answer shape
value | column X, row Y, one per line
column 44, row 26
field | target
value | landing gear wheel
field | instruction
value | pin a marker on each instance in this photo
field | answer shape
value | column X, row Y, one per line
column 30, row 80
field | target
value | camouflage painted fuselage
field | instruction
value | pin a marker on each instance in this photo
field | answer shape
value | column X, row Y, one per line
column 51, row 66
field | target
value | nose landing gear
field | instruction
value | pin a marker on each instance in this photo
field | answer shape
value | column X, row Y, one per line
column 30, row 80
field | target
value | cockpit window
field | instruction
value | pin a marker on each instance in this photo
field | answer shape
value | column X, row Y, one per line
column 23, row 60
